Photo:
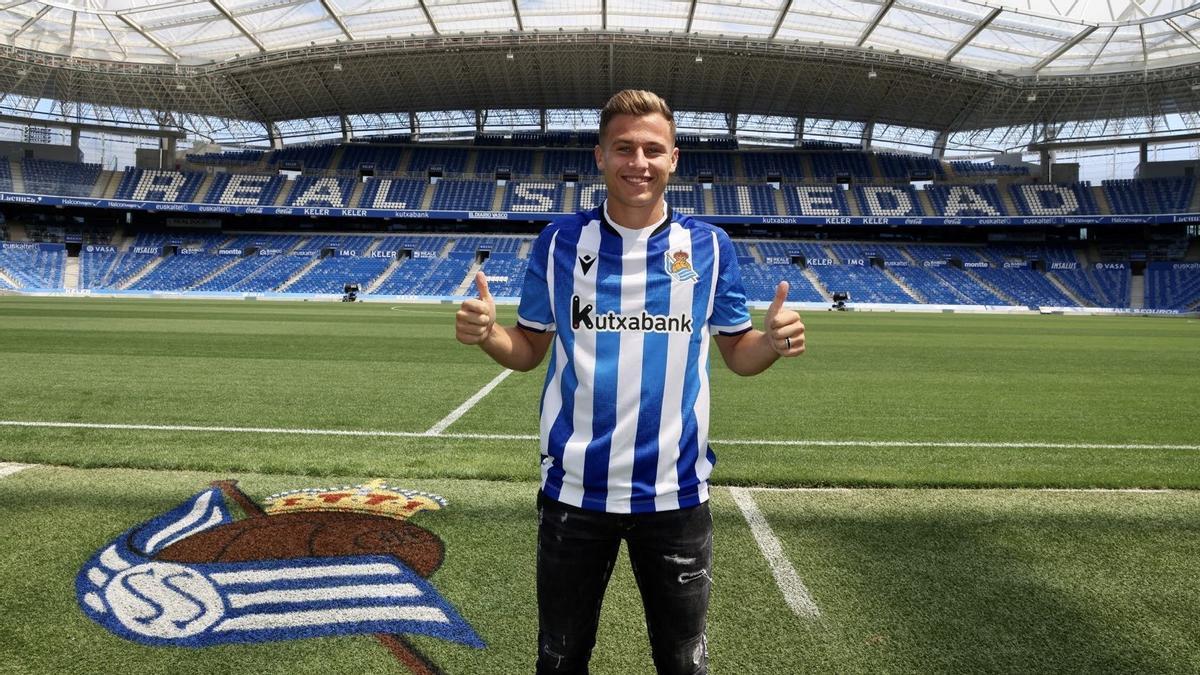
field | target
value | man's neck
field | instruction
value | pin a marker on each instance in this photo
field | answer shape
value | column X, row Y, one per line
column 635, row 219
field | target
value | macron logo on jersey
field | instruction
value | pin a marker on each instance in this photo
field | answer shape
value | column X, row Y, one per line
column 585, row 316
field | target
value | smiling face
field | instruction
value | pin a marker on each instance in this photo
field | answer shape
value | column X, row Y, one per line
column 637, row 155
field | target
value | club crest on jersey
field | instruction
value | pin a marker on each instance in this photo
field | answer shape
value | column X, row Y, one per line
column 311, row 563
column 679, row 266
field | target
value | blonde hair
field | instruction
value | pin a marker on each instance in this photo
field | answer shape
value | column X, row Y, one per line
column 635, row 102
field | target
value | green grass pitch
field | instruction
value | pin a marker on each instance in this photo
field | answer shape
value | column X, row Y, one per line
column 930, row 546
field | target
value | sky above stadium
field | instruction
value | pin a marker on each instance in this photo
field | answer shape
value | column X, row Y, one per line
column 1019, row 37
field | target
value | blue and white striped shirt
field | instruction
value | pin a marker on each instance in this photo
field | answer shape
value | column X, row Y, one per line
column 624, row 413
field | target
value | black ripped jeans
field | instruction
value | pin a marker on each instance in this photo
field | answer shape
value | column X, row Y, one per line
column 671, row 554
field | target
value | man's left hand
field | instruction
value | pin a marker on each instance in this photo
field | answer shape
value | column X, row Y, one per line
column 783, row 327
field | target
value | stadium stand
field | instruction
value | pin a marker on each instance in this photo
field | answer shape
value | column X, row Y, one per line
column 759, row 165
column 759, row 280
column 32, row 267
column 971, row 169
column 532, row 197
column 381, row 159
column 244, row 190
column 888, row 200
column 49, row 177
column 472, row 195
column 160, row 186
column 815, row 200
column 228, row 157
column 589, row 195
column 331, row 274
column 272, row 275
column 393, row 193
column 863, row 283
column 557, row 162
column 685, row 198
column 315, row 191
column 518, row 162
column 744, row 199
column 180, row 272
column 6, row 178
column 907, row 167
column 1173, row 285
column 505, row 273
column 308, row 158
column 953, row 201
column 452, row 160
column 829, row 166
column 1058, row 199
column 1156, row 195
column 693, row 164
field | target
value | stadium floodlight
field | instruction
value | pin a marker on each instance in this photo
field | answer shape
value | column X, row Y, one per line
column 872, row 74
column 509, row 56
column 179, row 86
column 1031, row 96
column 337, row 65
column 699, row 59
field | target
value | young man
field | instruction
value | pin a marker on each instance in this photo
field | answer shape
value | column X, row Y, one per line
column 628, row 294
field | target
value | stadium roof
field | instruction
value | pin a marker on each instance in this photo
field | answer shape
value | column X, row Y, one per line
column 948, row 65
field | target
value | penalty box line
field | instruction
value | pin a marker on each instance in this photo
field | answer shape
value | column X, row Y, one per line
column 433, row 432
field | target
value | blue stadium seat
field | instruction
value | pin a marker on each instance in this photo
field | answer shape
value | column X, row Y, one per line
column 464, row 195
column 583, row 162
column 815, row 200
column 244, row 189
column 953, row 201
column 744, row 199
column 321, row 191
column 519, row 162
column 393, row 193
column 1173, row 285
column 49, row 177
column 159, row 186
column 1057, row 199
column 381, row 159
column 888, row 200
column 758, row 165
column 533, row 197
column 452, row 160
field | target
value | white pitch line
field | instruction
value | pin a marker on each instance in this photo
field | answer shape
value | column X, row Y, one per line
column 9, row 468
column 467, row 405
column 794, row 591
column 798, row 443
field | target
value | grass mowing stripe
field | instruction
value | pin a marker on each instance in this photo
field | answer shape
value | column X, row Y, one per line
column 467, row 405
column 530, row 437
column 790, row 584
column 9, row 468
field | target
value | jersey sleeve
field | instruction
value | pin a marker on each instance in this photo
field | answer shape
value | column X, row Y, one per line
column 535, row 313
column 730, row 316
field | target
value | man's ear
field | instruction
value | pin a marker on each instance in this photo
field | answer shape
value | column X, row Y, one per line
column 598, row 153
column 674, row 158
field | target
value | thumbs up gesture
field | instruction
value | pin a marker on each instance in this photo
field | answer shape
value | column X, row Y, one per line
column 475, row 318
column 783, row 326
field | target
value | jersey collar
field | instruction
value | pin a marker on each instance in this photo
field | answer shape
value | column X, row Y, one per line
column 608, row 223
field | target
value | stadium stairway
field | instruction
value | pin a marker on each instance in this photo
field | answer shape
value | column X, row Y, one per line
column 205, row 185
column 1101, row 196
column 1066, row 290
column 427, row 199
column 569, row 197
column 1006, row 200
column 498, row 198
column 154, row 262
column 464, row 288
column 18, row 176
column 356, row 195
column 235, row 260
column 852, row 201
column 926, row 203
column 780, row 203
column 1137, row 291
column 710, row 203
column 816, row 283
column 1194, row 207
column 285, row 193
column 299, row 273
column 999, row 293
column 71, row 273
column 8, row 280
column 912, row 292
column 106, row 184
column 383, row 276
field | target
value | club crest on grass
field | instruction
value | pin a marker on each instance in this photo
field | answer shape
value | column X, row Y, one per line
column 311, row 563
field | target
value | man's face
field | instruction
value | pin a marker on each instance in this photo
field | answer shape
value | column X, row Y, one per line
column 637, row 156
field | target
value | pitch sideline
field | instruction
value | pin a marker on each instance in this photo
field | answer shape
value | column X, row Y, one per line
column 1034, row 445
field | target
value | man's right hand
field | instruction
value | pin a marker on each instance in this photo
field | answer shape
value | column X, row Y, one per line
column 475, row 318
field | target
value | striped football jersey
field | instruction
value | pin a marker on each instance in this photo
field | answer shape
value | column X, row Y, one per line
column 625, row 406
